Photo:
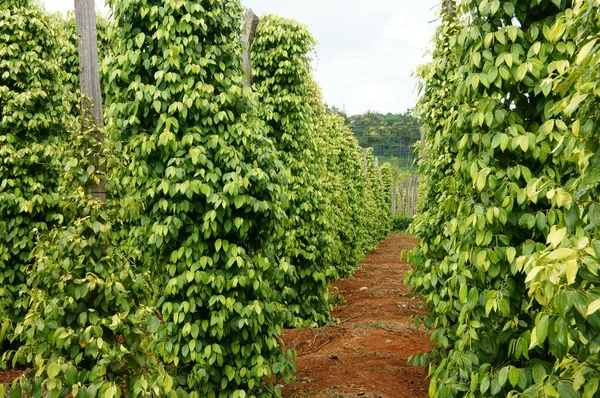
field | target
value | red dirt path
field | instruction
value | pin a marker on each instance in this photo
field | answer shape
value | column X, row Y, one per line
column 366, row 353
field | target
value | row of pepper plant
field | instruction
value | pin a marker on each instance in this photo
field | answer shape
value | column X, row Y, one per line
column 509, row 219
column 230, row 209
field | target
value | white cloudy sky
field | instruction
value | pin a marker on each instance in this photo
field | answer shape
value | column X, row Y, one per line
column 367, row 50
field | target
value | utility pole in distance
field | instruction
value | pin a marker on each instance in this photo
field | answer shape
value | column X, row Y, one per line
column 91, row 95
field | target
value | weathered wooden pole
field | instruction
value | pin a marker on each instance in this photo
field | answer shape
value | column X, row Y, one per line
column 379, row 172
column 409, row 198
column 91, row 95
column 394, row 210
column 415, row 192
column 423, row 131
column 250, row 25
column 450, row 8
column 401, row 197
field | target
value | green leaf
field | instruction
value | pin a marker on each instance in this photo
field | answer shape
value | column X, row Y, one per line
column 53, row 369
column 514, row 375
column 481, row 180
column 521, row 72
column 571, row 271
column 590, row 388
column 139, row 40
column 571, row 216
column 542, row 329
column 485, row 384
column 561, row 302
column 576, row 100
column 594, row 213
column 509, row 8
column 153, row 325
column 463, row 293
column 593, row 307
column 566, row 390
column 71, row 375
column 511, row 253
column 585, row 51
column 538, row 373
column 503, row 376
column 556, row 236
column 561, row 254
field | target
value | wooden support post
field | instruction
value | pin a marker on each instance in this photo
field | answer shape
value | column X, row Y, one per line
column 394, row 210
column 409, row 198
column 401, row 198
column 449, row 8
column 416, row 194
column 91, row 95
column 250, row 25
column 379, row 172
column 366, row 166
column 423, row 142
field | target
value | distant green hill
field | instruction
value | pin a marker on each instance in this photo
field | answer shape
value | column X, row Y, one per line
column 391, row 135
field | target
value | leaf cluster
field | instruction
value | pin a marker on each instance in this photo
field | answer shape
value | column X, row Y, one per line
column 32, row 109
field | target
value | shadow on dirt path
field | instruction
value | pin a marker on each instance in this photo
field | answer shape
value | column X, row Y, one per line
column 366, row 353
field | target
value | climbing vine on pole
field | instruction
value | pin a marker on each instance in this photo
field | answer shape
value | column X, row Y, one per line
column 200, row 162
column 282, row 76
column 32, row 109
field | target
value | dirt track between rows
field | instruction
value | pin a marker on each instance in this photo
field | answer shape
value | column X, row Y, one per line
column 366, row 353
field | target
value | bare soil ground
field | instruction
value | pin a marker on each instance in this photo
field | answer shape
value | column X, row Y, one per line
column 366, row 353
column 7, row 376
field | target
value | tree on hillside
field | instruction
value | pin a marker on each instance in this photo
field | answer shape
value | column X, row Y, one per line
column 390, row 134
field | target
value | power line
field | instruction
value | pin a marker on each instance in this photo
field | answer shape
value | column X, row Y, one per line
column 383, row 125
column 366, row 83
column 368, row 26
column 398, row 148
column 368, row 56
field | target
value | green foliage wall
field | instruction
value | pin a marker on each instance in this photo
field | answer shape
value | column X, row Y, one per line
column 331, row 201
column 209, row 178
column 32, row 106
column 380, row 219
column 388, row 181
column 282, row 76
column 353, row 211
column 86, row 332
column 508, row 257
column 563, row 277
